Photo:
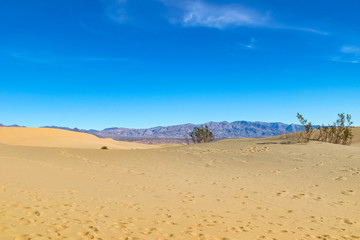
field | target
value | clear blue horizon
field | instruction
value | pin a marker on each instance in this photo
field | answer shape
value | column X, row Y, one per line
column 96, row 64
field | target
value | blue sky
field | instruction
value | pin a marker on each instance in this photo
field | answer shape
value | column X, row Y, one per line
column 131, row 63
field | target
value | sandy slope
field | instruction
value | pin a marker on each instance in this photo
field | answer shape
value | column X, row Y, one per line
column 356, row 139
column 232, row 189
column 47, row 137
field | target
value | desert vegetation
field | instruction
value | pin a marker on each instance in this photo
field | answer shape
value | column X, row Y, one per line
column 306, row 135
column 339, row 132
column 200, row 135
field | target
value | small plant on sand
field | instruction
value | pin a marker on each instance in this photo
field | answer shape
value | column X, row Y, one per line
column 339, row 132
column 305, row 136
column 343, row 134
column 104, row 148
column 201, row 135
column 325, row 132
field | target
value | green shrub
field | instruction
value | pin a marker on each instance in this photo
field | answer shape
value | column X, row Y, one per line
column 305, row 136
column 200, row 135
column 339, row 132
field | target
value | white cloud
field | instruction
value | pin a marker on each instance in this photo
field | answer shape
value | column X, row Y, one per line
column 342, row 59
column 351, row 50
column 311, row 30
column 116, row 10
column 199, row 13
column 348, row 54
column 249, row 45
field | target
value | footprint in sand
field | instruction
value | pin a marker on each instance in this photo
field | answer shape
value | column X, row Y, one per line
column 86, row 235
column 37, row 213
column 317, row 198
column 348, row 192
column 318, row 164
column 348, row 221
column 340, row 203
column 279, row 193
column 24, row 221
column 351, row 237
column 298, row 196
column 22, row 237
column 340, row 178
column 297, row 168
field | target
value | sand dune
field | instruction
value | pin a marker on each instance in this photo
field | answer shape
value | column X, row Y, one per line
column 48, row 137
column 356, row 139
column 231, row 189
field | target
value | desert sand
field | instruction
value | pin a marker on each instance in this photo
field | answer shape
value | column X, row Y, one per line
column 231, row 189
column 48, row 137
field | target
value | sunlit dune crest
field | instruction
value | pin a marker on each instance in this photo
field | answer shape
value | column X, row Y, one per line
column 48, row 137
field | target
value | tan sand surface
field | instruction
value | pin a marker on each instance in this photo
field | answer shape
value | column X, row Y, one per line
column 356, row 139
column 231, row 189
column 48, row 137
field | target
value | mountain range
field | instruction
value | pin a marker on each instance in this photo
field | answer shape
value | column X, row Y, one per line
column 14, row 125
column 221, row 130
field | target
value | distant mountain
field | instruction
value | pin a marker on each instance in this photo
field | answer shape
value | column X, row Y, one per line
column 66, row 128
column 14, row 125
column 238, row 129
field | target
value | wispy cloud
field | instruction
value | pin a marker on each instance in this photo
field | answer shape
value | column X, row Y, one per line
column 199, row 13
column 342, row 59
column 116, row 10
column 348, row 49
column 304, row 29
column 347, row 54
column 248, row 45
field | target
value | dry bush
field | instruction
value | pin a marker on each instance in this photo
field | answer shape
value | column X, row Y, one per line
column 200, row 135
column 339, row 132
column 306, row 135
